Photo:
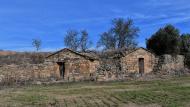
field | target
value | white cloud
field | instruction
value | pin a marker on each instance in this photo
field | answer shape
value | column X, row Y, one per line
column 159, row 2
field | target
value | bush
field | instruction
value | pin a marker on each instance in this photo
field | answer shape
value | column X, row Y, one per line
column 23, row 58
column 165, row 41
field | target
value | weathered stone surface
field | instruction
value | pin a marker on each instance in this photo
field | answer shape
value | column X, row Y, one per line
column 130, row 62
column 109, row 68
column 168, row 64
column 79, row 67
column 76, row 66
column 26, row 72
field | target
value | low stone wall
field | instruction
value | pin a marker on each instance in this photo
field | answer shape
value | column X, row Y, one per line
column 109, row 69
column 167, row 64
column 27, row 72
column 79, row 70
column 172, row 63
column 48, row 71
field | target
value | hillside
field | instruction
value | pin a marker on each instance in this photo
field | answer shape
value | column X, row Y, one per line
column 11, row 57
column 5, row 53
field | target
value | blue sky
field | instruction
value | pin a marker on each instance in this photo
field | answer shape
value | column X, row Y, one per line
column 48, row 20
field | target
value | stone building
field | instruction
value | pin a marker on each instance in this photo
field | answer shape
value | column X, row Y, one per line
column 140, row 61
column 70, row 65
column 121, row 63
column 110, row 65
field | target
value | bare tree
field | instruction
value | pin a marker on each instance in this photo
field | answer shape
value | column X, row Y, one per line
column 107, row 40
column 77, row 41
column 71, row 40
column 84, row 41
column 121, row 35
column 37, row 44
column 36, row 57
column 125, row 32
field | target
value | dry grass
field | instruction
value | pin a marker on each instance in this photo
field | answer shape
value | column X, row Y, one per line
column 167, row 93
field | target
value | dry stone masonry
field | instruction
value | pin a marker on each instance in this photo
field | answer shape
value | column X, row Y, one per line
column 69, row 65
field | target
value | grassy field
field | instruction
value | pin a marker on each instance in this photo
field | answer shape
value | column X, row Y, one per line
column 157, row 93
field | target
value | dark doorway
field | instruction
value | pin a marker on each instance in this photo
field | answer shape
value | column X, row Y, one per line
column 141, row 65
column 61, row 69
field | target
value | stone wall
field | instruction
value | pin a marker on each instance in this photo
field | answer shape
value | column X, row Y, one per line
column 74, row 71
column 27, row 72
column 109, row 69
column 79, row 70
column 168, row 63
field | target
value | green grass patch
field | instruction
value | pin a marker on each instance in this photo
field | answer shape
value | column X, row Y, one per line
column 167, row 97
column 167, row 93
column 31, row 99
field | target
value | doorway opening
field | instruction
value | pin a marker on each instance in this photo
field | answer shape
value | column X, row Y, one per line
column 61, row 69
column 141, row 66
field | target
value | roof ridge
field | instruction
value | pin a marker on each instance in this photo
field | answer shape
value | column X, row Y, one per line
column 83, row 55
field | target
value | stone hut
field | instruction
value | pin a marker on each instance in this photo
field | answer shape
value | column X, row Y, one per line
column 140, row 61
column 121, row 63
column 70, row 65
